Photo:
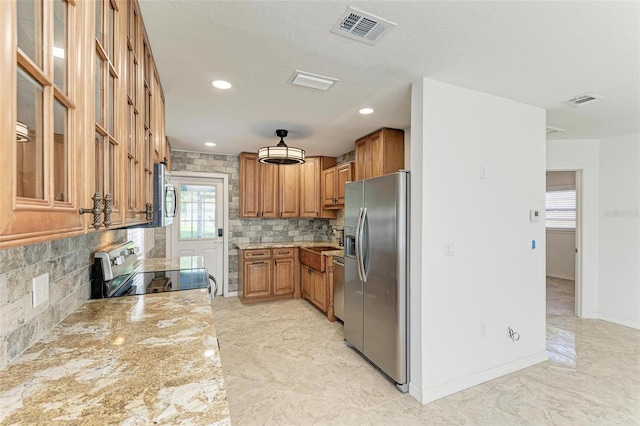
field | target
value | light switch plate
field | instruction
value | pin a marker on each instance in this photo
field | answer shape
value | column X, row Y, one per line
column 40, row 289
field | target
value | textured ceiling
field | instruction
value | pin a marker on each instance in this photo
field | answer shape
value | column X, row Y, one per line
column 536, row 52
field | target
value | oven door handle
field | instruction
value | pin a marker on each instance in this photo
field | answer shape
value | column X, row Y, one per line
column 214, row 291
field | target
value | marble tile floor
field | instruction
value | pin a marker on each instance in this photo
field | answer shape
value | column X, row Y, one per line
column 285, row 364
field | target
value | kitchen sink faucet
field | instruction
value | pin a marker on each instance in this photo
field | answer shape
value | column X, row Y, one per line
column 341, row 238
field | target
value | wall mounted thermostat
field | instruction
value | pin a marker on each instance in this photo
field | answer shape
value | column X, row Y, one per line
column 534, row 215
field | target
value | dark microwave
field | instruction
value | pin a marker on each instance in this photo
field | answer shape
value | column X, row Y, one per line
column 165, row 199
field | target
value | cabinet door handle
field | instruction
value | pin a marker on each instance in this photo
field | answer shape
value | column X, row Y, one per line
column 275, row 262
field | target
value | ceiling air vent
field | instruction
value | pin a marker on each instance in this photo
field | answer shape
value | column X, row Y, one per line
column 586, row 99
column 314, row 81
column 362, row 26
column 554, row 130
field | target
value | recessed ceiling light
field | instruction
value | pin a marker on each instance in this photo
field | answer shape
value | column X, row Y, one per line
column 365, row 111
column 210, row 144
column 221, row 84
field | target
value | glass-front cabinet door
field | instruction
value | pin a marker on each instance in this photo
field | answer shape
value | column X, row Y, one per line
column 40, row 143
column 110, row 112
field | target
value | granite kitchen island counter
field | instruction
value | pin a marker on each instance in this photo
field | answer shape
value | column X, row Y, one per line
column 128, row 360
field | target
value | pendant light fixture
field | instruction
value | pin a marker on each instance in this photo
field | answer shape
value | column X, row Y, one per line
column 281, row 153
column 22, row 132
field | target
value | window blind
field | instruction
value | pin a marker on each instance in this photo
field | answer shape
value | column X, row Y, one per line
column 561, row 209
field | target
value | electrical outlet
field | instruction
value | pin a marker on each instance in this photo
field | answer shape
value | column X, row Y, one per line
column 483, row 172
column 448, row 249
column 483, row 330
column 40, row 289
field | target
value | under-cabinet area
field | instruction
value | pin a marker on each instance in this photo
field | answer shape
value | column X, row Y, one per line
column 273, row 271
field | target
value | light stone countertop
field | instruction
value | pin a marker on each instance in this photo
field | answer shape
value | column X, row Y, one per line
column 169, row 264
column 127, row 360
column 339, row 251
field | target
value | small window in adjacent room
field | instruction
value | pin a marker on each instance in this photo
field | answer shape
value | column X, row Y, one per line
column 561, row 209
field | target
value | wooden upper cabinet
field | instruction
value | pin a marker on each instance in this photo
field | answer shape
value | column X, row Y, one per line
column 329, row 187
column 268, row 190
column 289, row 181
column 258, row 188
column 334, row 180
column 379, row 153
column 271, row 191
column 311, row 187
column 344, row 174
column 249, row 185
column 42, row 109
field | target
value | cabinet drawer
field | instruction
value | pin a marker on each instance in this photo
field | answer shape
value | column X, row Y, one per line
column 283, row 252
column 257, row 254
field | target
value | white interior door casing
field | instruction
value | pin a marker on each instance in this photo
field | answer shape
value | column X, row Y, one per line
column 200, row 227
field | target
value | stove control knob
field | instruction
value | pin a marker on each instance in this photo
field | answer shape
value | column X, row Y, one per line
column 118, row 260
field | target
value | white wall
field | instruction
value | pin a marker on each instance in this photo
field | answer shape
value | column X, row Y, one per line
column 416, row 348
column 619, row 274
column 494, row 280
column 583, row 155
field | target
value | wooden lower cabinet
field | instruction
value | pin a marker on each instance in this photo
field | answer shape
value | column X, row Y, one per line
column 257, row 278
column 283, row 276
column 268, row 274
column 317, row 289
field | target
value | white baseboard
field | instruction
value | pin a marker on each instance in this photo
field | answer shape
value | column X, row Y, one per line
column 415, row 392
column 231, row 294
column 562, row 277
column 620, row 321
column 467, row 382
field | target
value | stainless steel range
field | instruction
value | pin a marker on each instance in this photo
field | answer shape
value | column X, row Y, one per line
column 117, row 271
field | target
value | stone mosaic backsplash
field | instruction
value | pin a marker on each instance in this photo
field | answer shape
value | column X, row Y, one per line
column 68, row 262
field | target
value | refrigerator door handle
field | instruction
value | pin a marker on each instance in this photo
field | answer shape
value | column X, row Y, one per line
column 358, row 246
column 362, row 244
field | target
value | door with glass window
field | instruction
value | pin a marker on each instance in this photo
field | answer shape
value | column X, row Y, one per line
column 197, row 228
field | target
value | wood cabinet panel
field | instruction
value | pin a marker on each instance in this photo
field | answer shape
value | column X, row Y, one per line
column 268, row 190
column 257, row 275
column 309, row 184
column 319, row 290
column 249, row 186
column 334, row 180
column 329, row 187
column 289, row 191
column 379, row 153
column 312, row 187
column 283, row 276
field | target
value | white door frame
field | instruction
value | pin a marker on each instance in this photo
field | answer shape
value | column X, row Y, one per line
column 225, row 221
column 580, row 300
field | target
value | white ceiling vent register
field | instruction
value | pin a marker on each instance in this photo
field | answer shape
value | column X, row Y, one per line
column 554, row 130
column 314, row 81
column 362, row 26
column 585, row 99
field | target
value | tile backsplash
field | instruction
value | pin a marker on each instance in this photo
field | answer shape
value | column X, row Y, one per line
column 68, row 262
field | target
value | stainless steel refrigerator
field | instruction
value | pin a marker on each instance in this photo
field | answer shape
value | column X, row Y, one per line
column 376, row 226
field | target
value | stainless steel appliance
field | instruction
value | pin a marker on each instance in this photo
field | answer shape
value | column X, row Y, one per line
column 115, row 274
column 338, row 287
column 165, row 200
column 376, row 272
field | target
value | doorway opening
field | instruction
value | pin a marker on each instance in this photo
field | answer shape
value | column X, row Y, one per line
column 561, row 223
column 200, row 227
column 563, row 213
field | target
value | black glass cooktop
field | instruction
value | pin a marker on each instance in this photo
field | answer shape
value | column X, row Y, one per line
column 151, row 282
